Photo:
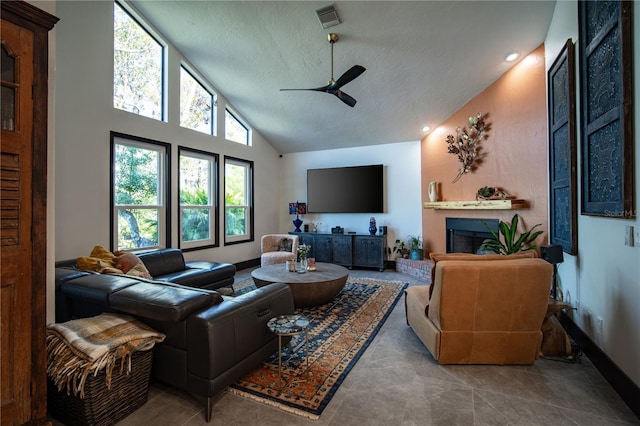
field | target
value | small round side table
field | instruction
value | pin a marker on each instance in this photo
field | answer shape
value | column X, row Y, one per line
column 289, row 325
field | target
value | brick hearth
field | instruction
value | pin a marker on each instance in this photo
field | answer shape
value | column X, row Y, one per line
column 420, row 269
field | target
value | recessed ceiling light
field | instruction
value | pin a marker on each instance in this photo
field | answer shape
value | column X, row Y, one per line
column 426, row 128
column 511, row 56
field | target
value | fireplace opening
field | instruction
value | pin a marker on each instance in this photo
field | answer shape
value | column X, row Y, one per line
column 466, row 235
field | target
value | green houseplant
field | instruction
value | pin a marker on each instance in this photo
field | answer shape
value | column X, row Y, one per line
column 512, row 243
column 415, row 244
column 400, row 247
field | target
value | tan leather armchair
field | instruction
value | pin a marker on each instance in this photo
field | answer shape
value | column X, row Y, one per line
column 278, row 248
column 482, row 311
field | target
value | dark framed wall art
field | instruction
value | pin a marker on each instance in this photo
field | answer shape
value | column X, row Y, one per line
column 561, row 89
column 606, row 77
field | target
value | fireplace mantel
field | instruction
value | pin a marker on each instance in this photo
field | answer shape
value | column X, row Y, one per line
column 476, row 205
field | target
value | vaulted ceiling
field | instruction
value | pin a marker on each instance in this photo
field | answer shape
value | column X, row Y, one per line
column 424, row 60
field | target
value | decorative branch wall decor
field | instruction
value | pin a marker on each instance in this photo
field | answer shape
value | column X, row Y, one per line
column 465, row 144
column 561, row 81
column 606, row 78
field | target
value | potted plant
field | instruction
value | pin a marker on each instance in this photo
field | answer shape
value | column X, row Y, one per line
column 415, row 244
column 400, row 247
column 513, row 243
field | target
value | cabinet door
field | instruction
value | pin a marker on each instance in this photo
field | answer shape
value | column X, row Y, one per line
column 342, row 250
column 369, row 252
column 323, row 248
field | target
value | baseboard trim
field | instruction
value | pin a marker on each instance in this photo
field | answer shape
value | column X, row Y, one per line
column 621, row 383
column 251, row 263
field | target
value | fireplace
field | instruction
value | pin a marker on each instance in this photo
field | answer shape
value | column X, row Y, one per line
column 466, row 235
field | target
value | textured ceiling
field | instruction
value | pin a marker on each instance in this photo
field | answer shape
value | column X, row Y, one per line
column 424, row 60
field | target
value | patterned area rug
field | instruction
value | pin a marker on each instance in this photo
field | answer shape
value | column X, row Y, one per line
column 339, row 333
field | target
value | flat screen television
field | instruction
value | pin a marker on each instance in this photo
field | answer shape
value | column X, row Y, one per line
column 358, row 189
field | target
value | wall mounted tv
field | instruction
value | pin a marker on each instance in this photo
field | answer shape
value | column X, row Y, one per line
column 356, row 189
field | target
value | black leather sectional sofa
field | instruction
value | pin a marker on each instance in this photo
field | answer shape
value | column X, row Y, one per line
column 212, row 340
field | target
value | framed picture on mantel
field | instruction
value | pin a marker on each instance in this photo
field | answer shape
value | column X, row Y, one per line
column 606, row 108
column 561, row 82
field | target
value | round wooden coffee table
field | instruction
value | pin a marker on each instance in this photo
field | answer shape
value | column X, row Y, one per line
column 311, row 288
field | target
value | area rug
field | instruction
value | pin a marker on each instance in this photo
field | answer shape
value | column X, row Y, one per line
column 339, row 333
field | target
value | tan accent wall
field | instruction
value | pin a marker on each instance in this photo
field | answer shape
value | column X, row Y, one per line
column 514, row 153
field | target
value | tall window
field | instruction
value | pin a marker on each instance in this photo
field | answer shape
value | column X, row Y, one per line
column 140, row 194
column 198, row 194
column 238, row 200
column 137, row 67
column 234, row 129
column 197, row 104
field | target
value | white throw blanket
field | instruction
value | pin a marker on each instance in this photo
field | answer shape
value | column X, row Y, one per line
column 80, row 347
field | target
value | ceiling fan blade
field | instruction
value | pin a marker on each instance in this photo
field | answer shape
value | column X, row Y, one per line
column 345, row 98
column 315, row 89
column 350, row 75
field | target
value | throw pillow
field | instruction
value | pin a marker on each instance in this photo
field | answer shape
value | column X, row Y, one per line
column 99, row 260
column 130, row 264
column 102, row 260
column 285, row 245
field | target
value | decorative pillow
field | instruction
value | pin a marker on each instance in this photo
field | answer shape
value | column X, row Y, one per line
column 100, row 260
column 103, row 261
column 130, row 264
column 285, row 244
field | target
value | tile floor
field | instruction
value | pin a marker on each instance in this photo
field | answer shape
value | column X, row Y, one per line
column 397, row 382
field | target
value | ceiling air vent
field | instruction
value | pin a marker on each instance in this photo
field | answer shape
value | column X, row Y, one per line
column 328, row 16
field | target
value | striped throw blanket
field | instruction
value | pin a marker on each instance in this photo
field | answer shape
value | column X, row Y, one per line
column 86, row 346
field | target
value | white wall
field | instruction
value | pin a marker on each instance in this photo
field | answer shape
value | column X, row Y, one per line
column 85, row 117
column 403, row 212
column 603, row 280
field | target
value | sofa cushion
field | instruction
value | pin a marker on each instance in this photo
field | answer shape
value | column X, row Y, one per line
column 96, row 288
column 162, row 301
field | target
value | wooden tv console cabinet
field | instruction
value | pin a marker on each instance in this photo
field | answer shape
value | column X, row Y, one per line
column 349, row 250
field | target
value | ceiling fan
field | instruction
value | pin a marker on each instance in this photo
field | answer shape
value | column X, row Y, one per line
column 333, row 87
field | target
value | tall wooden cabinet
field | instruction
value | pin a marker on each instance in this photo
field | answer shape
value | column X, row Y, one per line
column 23, row 204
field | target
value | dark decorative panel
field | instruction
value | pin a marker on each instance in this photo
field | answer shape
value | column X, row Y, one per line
column 606, row 78
column 563, row 229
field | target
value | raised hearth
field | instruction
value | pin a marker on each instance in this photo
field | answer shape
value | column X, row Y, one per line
column 420, row 269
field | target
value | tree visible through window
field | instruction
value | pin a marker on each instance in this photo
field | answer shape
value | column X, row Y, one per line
column 198, row 191
column 197, row 110
column 137, row 67
column 234, row 130
column 139, row 193
column 238, row 185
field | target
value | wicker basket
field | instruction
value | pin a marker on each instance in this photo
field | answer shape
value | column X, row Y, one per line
column 100, row 405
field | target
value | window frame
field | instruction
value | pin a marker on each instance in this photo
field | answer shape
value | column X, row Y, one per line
column 138, row 19
column 214, row 206
column 212, row 93
column 164, row 207
column 249, row 187
column 228, row 110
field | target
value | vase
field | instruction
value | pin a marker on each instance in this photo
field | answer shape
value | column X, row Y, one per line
column 297, row 222
column 433, row 191
column 302, row 265
column 372, row 226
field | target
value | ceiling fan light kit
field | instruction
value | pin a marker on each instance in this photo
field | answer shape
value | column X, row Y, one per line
column 333, row 86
